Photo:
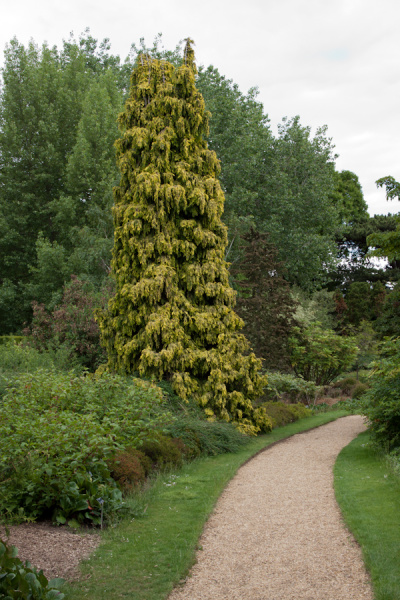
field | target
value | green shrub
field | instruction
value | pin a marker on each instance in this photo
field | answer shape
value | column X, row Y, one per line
column 381, row 402
column 191, row 428
column 282, row 414
column 19, row 358
column 300, row 411
column 20, row 580
column 359, row 389
column 319, row 354
column 162, row 451
column 6, row 340
column 346, row 385
column 285, row 386
column 52, row 464
column 58, row 431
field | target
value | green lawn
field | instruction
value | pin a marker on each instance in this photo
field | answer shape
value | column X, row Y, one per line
column 369, row 497
column 144, row 558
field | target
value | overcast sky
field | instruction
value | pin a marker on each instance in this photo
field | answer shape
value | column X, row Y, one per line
column 333, row 62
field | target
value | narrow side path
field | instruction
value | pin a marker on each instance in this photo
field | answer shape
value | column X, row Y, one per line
column 277, row 533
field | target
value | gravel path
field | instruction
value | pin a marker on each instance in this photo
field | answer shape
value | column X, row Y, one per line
column 276, row 532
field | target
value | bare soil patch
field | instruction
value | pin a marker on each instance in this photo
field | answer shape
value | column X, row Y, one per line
column 56, row 550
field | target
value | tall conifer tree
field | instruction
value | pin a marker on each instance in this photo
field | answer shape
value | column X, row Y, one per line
column 172, row 316
column 265, row 304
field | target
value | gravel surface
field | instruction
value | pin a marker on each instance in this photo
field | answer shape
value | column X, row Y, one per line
column 276, row 532
column 56, row 550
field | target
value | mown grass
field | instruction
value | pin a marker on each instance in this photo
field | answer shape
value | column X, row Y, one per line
column 369, row 498
column 145, row 557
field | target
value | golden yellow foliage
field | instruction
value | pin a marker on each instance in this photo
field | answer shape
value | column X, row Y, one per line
column 172, row 315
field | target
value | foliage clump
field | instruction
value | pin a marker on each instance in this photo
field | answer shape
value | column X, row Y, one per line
column 283, row 414
column 21, row 580
column 58, row 431
column 346, row 384
column 172, row 315
column 265, row 303
column 163, row 451
column 320, row 355
column 381, row 402
column 289, row 388
column 359, row 389
column 70, row 328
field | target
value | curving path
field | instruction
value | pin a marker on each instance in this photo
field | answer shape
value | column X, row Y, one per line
column 276, row 532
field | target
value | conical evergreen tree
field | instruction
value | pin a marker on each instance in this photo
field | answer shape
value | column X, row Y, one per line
column 172, row 316
column 265, row 304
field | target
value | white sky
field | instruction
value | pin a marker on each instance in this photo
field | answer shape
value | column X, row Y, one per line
column 333, row 62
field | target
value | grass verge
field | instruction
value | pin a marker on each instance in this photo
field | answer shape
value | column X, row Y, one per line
column 145, row 557
column 369, row 498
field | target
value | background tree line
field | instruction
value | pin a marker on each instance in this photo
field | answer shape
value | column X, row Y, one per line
column 286, row 204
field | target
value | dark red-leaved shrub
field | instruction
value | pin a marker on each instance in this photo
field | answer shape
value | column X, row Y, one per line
column 71, row 324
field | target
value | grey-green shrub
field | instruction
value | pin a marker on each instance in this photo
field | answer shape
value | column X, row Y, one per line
column 289, row 387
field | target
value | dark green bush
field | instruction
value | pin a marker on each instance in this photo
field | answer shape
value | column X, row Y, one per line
column 359, row 389
column 162, row 451
column 282, row 414
column 381, row 402
column 346, row 385
column 319, row 354
column 20, row 580
column 204, row 437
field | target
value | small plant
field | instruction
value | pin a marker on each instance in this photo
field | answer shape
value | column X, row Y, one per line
column 20, row 580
